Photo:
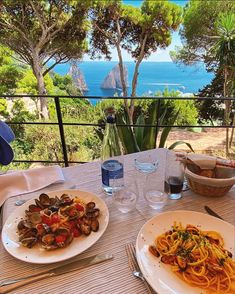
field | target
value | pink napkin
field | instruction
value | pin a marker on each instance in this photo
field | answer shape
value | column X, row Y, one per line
column 26, row 181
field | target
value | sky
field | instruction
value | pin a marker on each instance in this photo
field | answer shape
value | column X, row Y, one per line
column 160, row 55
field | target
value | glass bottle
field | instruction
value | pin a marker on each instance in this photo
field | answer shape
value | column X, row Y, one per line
column 112, row 166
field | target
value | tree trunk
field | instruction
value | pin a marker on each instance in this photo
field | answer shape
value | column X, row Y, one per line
column 122, row 77
column 133, row 91
column 135, row 76
column 38, row 72
column 227, row 109
column 232, row 132
column 121, row 66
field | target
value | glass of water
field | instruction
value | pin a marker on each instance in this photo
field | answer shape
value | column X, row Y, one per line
column 146, row 163
column 154, row 192
column 124, row 194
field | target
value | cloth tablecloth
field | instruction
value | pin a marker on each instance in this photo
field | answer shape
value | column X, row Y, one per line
column 111, row 276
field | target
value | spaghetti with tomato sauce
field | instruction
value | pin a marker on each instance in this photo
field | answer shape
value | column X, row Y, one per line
column 197, row 257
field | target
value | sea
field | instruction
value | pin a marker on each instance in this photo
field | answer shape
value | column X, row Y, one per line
column 153, row 77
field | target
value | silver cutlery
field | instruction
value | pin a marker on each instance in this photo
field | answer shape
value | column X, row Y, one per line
column 133, row 264
column 20, row 202
column 212, row 212
column 9, row 285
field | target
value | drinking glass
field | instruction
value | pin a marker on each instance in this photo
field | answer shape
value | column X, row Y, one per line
column 146, row 163
column 154, row 193
column 124, row 193
column 174, row 174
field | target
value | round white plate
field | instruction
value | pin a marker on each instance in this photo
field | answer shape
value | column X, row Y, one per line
column 40, row 255
column 159, row 275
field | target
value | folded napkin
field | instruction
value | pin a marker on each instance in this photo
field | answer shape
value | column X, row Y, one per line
column 26, row 181
column 203, row 161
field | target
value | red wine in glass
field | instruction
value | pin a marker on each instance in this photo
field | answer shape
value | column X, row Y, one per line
column 174, row 185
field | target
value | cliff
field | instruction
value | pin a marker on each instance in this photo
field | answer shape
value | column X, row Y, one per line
column 113, row 80
column 77, row 77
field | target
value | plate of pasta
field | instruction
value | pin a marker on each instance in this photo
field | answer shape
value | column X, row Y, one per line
column 187, row 252
column 55, row 226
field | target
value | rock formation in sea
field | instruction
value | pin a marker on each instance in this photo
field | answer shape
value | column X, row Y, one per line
column 113, row 79
column 77, row 77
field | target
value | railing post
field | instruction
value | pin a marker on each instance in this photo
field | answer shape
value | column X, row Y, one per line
column 61, row 129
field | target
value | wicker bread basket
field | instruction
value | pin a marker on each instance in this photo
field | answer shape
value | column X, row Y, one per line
column 218, row 186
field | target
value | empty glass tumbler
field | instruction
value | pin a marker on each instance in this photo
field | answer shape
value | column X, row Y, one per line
column 145, row 162
column 124, row 194
column 154, row 191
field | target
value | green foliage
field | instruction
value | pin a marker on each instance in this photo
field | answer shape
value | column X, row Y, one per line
column 65, row 85
column 57, row 27
column 187, row 109
column 20, row 114
column 3, row 108
column 140, row 138
column 43, row 31
column 28, row 84
column 188, row 112
column 10, row 72
column 224, row 48
column 211, row 109
column 126, row 134
column 72, row 108
column 140, row 31
column 198, row 32
column 45, row 143
column 135, row 23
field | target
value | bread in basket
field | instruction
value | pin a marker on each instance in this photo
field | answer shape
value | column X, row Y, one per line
column 216, row 182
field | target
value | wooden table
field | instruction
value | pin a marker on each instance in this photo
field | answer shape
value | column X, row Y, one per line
column 112, row 276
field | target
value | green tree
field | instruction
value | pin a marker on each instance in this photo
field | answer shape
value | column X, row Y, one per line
column 3, row 108
column 65, row 84
column 224, row 52
column 19, row 113
column 211, row 109
column 199, row 33
column 211, row 39
column 140, row 31
column 28, row 85
column 39, row 31
column 10, row 71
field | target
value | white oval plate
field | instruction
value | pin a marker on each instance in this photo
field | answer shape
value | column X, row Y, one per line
column 41, row 256
column 159, row 275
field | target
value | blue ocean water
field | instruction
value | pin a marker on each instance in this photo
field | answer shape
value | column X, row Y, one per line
column 153, row 77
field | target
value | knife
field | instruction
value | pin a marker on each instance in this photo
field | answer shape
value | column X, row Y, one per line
column 10, row 285
column 212, row 212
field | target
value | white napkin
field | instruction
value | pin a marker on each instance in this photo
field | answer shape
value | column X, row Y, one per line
column 26, row 181
column 203, row 161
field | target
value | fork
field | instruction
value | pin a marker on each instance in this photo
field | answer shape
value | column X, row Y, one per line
column 20, row 202
column 133, row 265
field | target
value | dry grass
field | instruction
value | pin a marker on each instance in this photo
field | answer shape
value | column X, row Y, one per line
column 210, row 141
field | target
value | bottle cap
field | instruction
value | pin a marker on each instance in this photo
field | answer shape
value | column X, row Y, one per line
column 110, row 119
column 110, row 115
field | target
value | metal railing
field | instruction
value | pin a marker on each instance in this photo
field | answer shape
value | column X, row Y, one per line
column 60, row 123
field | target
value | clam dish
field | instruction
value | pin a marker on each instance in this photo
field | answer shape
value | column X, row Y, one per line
column 53, row 222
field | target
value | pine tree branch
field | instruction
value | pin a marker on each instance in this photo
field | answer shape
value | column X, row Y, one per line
column 64, row 59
